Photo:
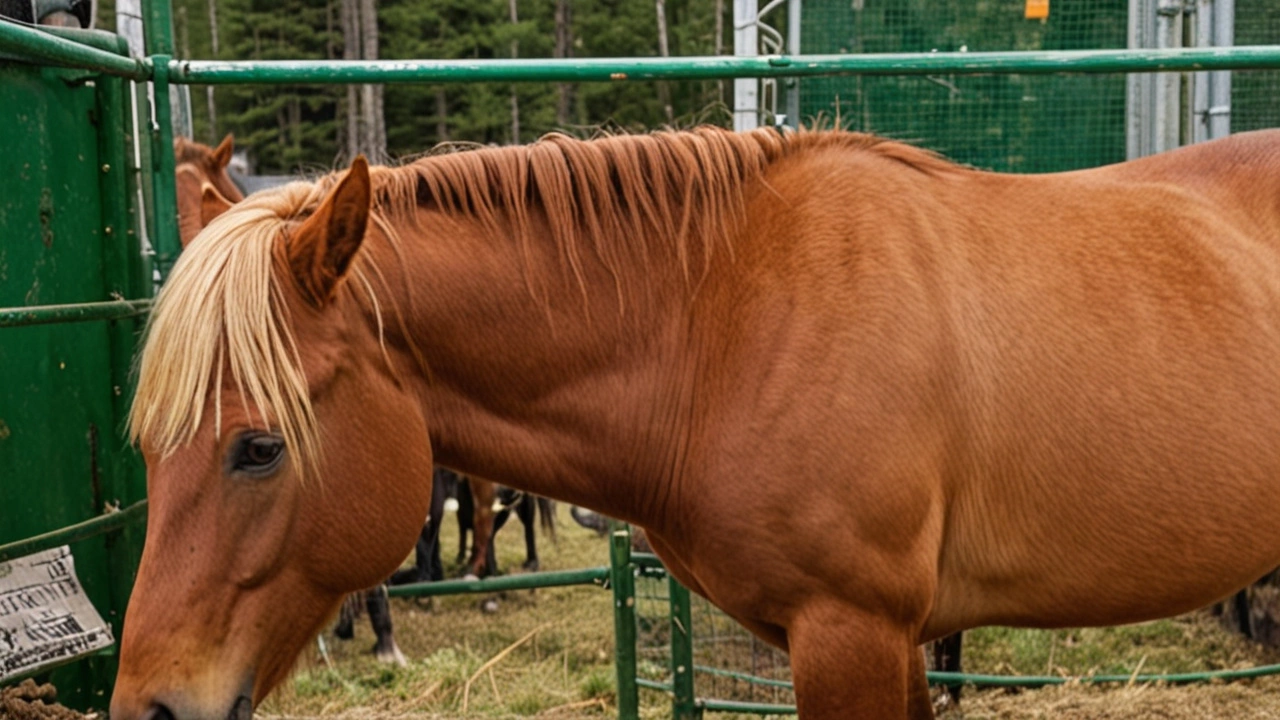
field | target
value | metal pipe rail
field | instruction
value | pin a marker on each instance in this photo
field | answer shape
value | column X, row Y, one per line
column 92, row 527
column 41, row 46
column 558, row 578
column 215, row 72
column 74, row 312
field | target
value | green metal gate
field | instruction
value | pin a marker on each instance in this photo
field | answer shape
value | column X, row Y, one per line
column 67, row 236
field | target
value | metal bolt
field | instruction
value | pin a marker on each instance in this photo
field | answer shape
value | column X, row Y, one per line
column 107, row 230
column 106, row 168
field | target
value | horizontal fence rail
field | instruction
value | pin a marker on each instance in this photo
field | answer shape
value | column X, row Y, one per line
column 526, row 581
column 105, row 523
column 75, row 312
column 210, row 72
column 38, row 46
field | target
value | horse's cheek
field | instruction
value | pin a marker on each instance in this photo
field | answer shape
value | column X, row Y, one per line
column 353, row 518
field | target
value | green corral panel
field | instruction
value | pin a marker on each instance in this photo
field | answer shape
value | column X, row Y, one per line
column 66, row 236
column 1014, row 123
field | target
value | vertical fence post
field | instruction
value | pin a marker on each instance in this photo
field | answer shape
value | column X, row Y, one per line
column 164, row 191
column 623, row 580
column 683, row 696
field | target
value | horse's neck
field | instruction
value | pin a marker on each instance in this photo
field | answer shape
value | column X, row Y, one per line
column 540, row 377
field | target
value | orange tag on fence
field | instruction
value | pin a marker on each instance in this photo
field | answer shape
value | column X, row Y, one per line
column 1037, row 9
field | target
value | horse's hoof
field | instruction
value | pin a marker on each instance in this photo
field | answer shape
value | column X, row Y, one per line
column 391, row 655
column 489, row 605
column 470, row 577
column 530, row 565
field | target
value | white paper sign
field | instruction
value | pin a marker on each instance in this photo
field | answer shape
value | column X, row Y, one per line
column 45, row 617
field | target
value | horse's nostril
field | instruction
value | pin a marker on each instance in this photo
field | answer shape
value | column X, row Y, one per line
column 158, row 712
column 242, row 710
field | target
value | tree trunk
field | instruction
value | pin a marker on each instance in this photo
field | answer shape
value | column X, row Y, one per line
column 208, row 90
column 515, row 101
column 351, row 51
column 719, row 47
column 442, row 115
column 375, row 139
column 564, row 49
column 664, row 89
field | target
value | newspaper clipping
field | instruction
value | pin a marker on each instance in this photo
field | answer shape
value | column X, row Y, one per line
column 45, row 617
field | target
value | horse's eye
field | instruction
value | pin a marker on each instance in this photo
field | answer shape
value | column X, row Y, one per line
column 257, row 453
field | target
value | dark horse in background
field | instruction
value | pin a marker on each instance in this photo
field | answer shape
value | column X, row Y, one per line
column 483, row 509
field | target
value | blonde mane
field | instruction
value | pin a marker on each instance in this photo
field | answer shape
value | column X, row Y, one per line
column 223, row 309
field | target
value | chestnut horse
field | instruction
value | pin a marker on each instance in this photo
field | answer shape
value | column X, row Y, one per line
column 204, row 189
column 934, row 397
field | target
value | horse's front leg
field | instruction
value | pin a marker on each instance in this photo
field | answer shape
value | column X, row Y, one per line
column 848, row 664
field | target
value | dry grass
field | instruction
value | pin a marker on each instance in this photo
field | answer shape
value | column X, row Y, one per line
column 1191, row 643
column 1235, row 701
column 565, row 670
column 564, row 667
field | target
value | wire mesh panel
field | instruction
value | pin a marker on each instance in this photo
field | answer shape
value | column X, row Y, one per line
column 1255, row 94
column 729, row 663
column 1019, row 123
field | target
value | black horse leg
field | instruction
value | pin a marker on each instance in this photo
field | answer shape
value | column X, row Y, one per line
column 527, row 510
column 946, row 657
column 379, row 608
column 346, row 627
column 466, row 519
column 427, row 565
column 1244, row 614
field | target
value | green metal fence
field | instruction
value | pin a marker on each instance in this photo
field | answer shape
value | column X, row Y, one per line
column 1015, row 122
column 70, row 245
column 68, row 237
column 1010, row 122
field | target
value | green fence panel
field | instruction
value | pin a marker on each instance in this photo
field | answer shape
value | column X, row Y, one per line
column 1019, row 123
column 68, row 236
column 1255, row 94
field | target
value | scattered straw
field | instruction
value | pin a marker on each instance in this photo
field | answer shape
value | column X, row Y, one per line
column 579, row 705
column 466, row 688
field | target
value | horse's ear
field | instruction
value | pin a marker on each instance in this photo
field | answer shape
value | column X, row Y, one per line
column 221, row 155
column 212, row 204
column 321, row 249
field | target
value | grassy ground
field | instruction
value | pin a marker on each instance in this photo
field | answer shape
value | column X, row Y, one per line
column 563, row 668
column 549, row 653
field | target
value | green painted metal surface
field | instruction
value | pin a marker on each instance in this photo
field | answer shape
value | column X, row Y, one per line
column 164, row 200
column 1010, row 122
column 72, row 312
column 38, row 46
column 683, row 692
column 67, row 237
column 100, row 525
column 623, row 580
column 557, row 578
column 701, row 68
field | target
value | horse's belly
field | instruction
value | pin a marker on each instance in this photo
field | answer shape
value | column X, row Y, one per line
column 1111, row 556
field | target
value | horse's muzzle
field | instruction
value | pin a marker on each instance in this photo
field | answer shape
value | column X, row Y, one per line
column 241, row 709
